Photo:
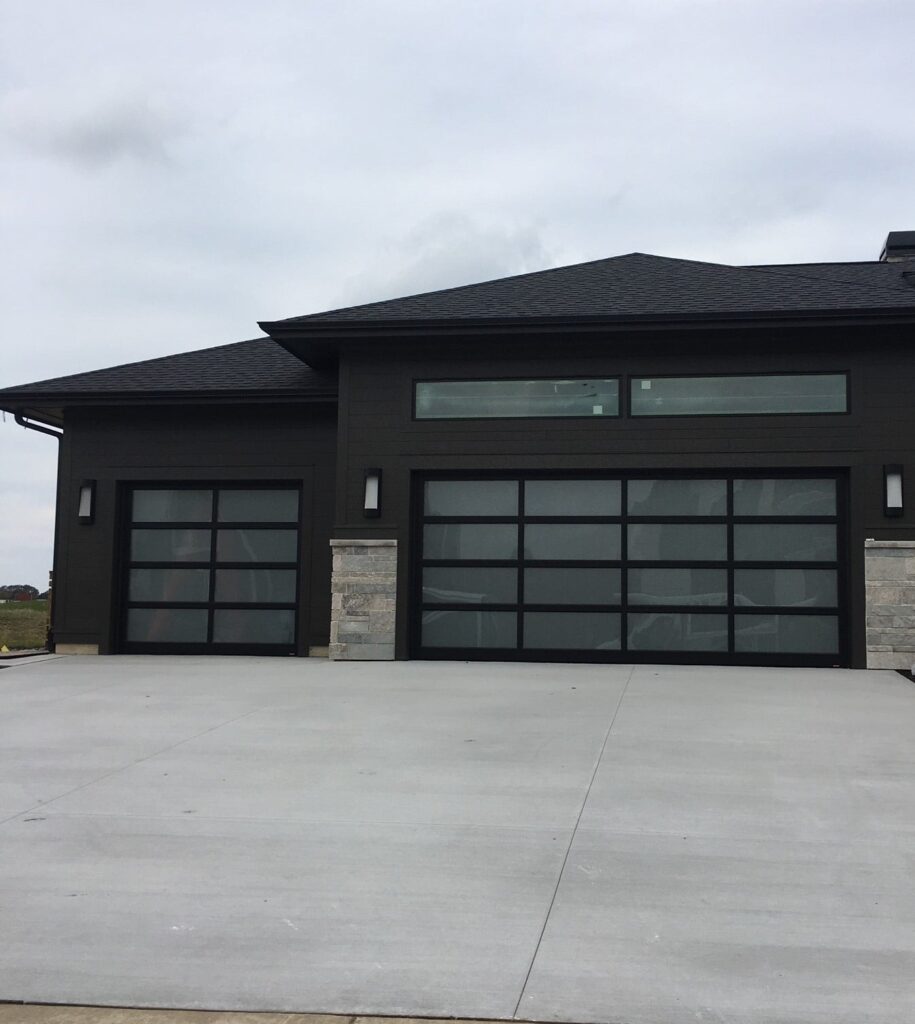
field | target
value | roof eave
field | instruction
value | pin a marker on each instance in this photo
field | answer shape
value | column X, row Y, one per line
column 316, row 342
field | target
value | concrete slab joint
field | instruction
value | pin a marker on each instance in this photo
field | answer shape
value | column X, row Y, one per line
column 889, row 576
column 363, row 600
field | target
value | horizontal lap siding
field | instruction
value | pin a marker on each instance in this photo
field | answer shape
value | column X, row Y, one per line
column 376, row 417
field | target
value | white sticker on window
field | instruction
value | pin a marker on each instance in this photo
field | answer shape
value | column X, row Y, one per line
column 646, row 385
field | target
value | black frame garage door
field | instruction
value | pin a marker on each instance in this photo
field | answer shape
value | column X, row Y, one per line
column 210, row 568
column 742, row 568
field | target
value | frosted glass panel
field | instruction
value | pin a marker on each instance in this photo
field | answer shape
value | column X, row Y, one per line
column 678, row 497
column 583, row 631
column 572, row 498
column 469, row 629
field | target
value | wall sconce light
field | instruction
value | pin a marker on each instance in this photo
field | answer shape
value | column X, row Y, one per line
column 85, row 511
column 892, row 490
column 371, row 507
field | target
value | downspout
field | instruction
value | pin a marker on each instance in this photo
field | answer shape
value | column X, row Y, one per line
column 21, row 420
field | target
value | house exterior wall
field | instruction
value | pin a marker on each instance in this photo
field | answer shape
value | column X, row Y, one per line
column 377, row 428
column 118, row 446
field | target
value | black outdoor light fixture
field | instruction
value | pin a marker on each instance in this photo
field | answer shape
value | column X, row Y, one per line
column 892, row 490
column 371, row 507
column 85, row 511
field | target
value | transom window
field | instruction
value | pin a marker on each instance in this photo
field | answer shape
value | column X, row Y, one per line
column 772, row 394
column 728, row 568
column 514, row 399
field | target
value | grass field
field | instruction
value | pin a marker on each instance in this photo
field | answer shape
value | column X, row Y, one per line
column 23, row 624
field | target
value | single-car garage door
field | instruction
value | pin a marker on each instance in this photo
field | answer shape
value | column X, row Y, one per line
column 211, row 569
column 742, row 568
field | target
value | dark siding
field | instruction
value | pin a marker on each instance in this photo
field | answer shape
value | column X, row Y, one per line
column 376, row 419
column 117, row 446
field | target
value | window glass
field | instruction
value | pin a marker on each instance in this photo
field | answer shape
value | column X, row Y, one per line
column 256, row 545
column 469, row 585
column 469, row 629
column 471, row 498
column 158, row 505
column 678, row 586
column 678, row 542
column 470, row 540
column 258, row 506
column 674, row 631
column 786, row 497
column 721, row 396
column 167, row 625
column 499, row 399
column 787, row 634
column 254, row 626
column 677, row 497
column 584, row 631
column 572, row 498
column 784, row 542
column 784, row 588
column 572, row 586
column 255, row 586
column 170, row 545
column 584, row 541
column 169, row 585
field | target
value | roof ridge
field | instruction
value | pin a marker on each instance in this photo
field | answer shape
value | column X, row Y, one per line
column 774, row 270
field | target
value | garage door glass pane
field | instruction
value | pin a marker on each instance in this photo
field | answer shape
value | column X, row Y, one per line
column 256, row 545
column 678, row 497
column 678, row 586
column 669, row 631
column 810, row 588
column 170, row 545
column 583, row 541
column 471, row 498
column 177, row 506
column 572, row 586
column 572, row 498
column 255, row 586
column 784, row 542
column 258, row 506
column 785, row 497
column 167, row 625
column 584, row 631
column 678, row 542
column 235, row 626
column 787, row 634
column 169, row 585
column 470, row 540
column 469, row 629
column 454, row 583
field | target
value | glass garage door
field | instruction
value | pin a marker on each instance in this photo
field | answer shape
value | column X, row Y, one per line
column 211, row 570
column 728, row 568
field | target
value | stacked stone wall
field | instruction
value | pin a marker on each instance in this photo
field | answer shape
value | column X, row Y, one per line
column 889, row 573
column 364, row 589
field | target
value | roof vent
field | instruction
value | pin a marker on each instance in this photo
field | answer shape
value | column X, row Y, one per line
column 899, row 245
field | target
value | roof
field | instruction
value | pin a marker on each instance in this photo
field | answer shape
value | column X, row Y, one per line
column 257, row 367
column 633, row 290
column 634, row 287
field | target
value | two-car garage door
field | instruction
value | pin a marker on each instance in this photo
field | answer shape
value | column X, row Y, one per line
column 714, row 568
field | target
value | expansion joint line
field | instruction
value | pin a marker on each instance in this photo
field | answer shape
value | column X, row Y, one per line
column 565, row 859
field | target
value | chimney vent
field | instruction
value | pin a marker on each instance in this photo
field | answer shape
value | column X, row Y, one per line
column 899, row 245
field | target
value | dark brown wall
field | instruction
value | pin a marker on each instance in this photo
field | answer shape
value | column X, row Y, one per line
column 293, row 443
column 377, row 429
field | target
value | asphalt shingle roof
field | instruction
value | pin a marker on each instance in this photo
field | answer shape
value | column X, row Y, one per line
column 256, row 365
column 640, row 285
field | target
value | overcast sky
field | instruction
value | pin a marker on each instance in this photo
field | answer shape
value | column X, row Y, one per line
column 171, row 172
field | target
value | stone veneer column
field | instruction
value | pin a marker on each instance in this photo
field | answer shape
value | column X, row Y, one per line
column 889, row 575
column 364, row 589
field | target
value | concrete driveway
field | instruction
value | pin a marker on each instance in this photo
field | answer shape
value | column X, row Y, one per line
column 575, row 843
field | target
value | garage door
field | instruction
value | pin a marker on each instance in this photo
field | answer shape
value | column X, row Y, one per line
column 737, row 568
column 211, row 570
